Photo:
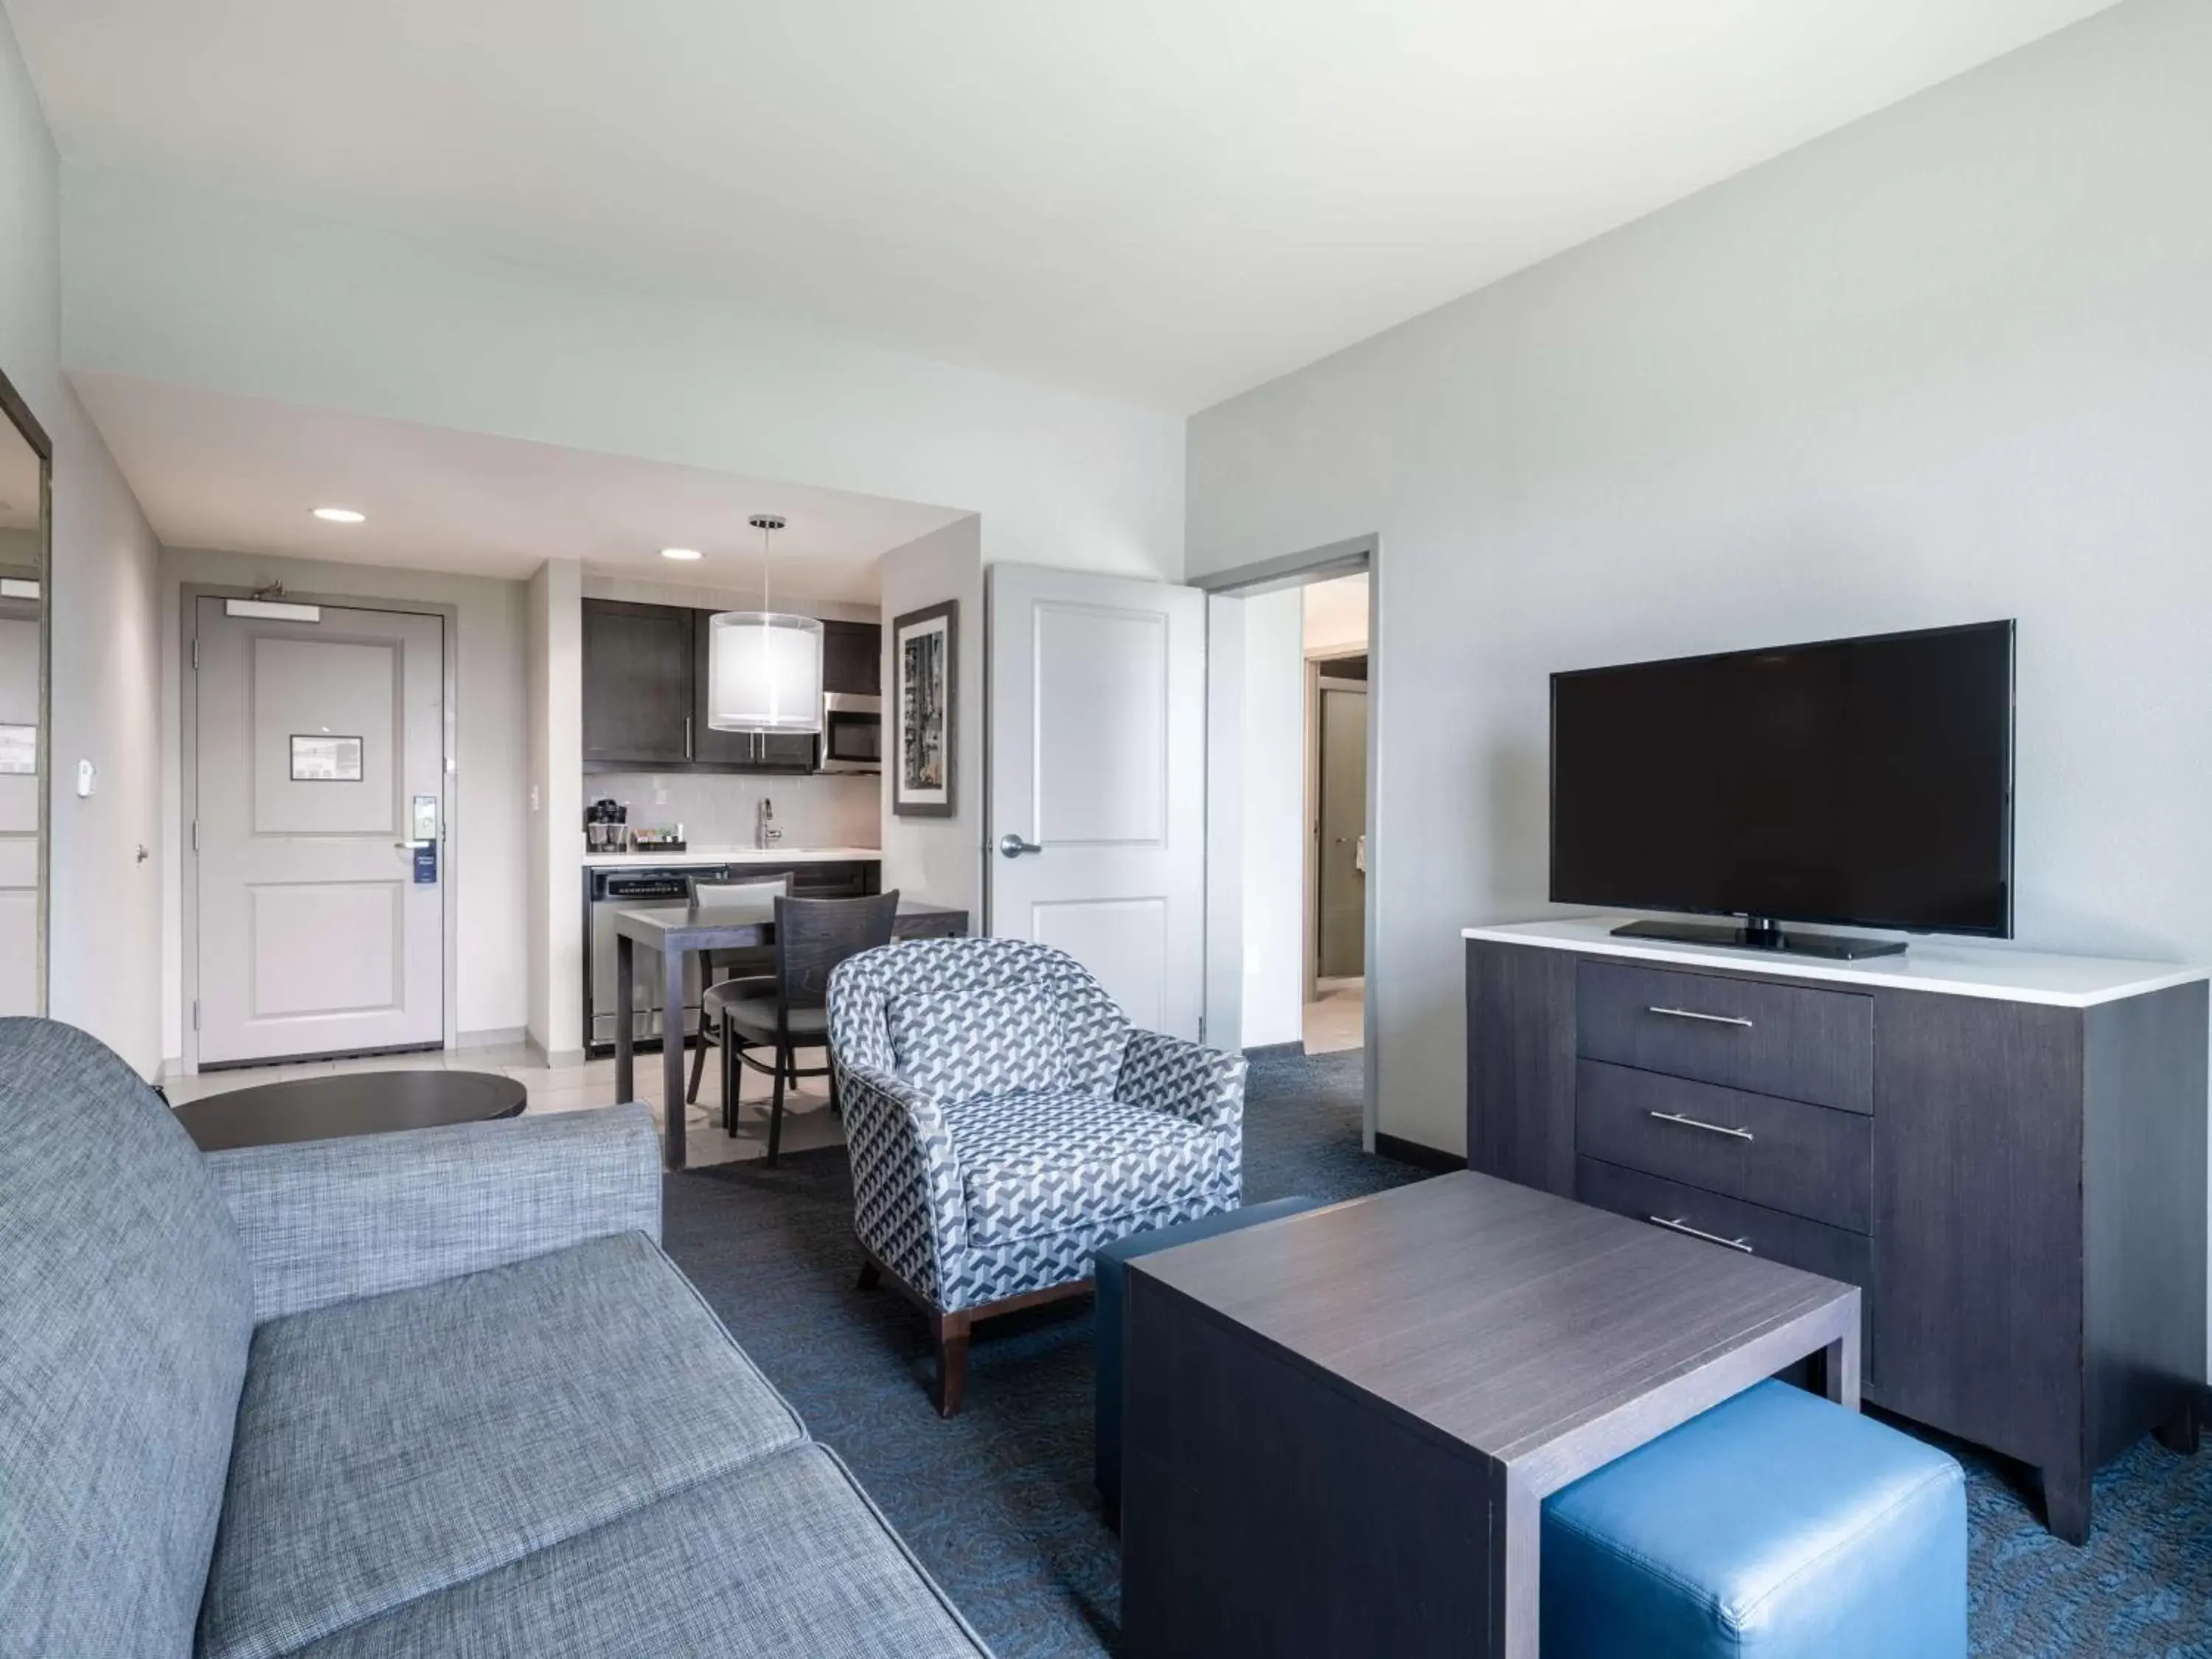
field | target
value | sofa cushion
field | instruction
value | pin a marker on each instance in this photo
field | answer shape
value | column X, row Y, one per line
column 125, row 1311
column 959, row 1045
column 785, row 1556
column 1041, row 1160
column 393, row 1446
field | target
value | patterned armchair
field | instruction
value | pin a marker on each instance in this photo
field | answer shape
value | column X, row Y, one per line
column 1006, row 1122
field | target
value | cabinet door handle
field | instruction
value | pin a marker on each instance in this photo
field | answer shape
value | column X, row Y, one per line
column 687, row 737
column 1699, row 1123
column 1710, row 1019
column 1679, row 1225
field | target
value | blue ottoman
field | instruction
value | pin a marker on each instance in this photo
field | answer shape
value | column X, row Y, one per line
column 1109, row 1280
column 1777, row 1525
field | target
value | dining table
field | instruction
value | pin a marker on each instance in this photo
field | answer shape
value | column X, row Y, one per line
column 673, row 932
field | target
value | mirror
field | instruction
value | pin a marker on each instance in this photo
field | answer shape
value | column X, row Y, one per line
column 25, row 484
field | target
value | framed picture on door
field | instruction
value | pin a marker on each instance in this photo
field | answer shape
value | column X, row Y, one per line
column 924, row 733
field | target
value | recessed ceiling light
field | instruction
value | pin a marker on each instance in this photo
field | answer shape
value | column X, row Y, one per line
column 685, row 553
column 340, row 515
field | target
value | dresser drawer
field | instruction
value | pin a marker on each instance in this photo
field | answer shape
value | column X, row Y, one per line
column 1788, row 1041
column 1789, row 1239
column 1806, row 1160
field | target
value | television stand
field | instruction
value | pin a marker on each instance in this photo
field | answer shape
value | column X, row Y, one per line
column 1760, row 933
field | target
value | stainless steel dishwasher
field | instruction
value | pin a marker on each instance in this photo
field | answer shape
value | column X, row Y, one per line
column 608, row 891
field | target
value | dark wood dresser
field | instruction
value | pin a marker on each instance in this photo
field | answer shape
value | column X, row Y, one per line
column 2004, row 1150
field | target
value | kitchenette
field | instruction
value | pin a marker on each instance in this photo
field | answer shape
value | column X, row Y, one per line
column 676, row 808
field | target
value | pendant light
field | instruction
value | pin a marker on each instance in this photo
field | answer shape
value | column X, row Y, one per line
column 764, row 667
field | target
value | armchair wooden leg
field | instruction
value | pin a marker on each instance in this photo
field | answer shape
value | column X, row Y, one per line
column 871, row 1276
column 951, row 1362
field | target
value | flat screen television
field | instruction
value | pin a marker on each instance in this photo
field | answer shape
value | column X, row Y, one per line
column 1863, row 782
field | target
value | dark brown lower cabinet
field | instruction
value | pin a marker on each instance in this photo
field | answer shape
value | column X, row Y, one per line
column 2017, row 1186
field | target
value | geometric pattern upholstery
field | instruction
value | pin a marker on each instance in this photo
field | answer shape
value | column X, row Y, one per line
column 1031, row 1160
column 943, row 1048
column 971, row 1198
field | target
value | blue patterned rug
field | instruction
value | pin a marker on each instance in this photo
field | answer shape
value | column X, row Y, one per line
column 998, row 1503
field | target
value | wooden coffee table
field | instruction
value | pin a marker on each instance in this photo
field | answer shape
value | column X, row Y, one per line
column 1341, row 1426
column 357, row 1103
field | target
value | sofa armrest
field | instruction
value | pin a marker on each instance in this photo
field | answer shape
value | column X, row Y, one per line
column 1167, row 1074
column 907, row 1203
column 326, row 1221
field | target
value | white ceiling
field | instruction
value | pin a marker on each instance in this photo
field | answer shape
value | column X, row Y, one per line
column 215, row 470
column 1166, row 201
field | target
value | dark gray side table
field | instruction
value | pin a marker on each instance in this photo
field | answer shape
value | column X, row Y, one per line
column 357, row 1103
column 1340, row 1429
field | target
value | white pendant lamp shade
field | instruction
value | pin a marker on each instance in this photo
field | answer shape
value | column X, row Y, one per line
column 764, row 667
column 764, row 672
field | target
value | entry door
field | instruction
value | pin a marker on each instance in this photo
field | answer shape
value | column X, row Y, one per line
column 1098, row 739
column 1343, row 829
column 319, row 934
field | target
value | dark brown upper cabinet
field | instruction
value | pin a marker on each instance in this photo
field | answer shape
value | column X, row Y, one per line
column 638, row 683
column 645, row 680
column 852, row 659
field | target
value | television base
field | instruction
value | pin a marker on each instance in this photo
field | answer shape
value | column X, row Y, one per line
column 1760, row 934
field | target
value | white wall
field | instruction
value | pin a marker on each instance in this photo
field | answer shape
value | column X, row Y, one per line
column 487, row 831
column 192, row 287
column 939, row 859
column 1336, row 615
column 1273, row 800
column 105, row 935
column 1950, row 363
column 553, row 716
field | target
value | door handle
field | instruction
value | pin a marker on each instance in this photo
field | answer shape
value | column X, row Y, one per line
column 1013, row 846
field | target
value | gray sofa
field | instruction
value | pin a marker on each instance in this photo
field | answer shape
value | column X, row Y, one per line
column 430, row 1393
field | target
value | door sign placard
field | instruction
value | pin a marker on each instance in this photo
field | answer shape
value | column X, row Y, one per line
column 323, row 759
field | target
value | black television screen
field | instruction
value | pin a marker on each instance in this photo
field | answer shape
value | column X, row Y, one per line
column 1865, row 781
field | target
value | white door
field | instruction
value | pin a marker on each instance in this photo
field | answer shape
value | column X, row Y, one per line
column 320, row 766
column 1097, row 740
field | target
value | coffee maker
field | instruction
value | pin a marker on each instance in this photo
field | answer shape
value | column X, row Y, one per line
column 606, row 827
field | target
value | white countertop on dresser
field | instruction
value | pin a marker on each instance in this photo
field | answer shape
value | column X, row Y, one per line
column 1966, row 971
column 650, row 860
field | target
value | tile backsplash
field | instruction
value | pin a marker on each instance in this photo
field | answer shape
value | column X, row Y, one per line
column 716, row 809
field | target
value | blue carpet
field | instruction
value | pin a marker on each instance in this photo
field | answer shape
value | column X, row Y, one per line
column 998, row 1503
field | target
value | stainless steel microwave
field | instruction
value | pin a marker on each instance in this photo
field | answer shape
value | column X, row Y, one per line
column 852, row 733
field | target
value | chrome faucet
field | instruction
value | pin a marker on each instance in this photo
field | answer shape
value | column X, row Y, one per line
column 765, row 834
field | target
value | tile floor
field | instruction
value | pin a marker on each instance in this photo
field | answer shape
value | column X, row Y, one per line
column 1337, row 1020
column 807, row 1120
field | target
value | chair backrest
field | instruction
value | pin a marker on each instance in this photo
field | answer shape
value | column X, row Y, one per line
column 974, row 978
column 813, row 936
column 126, row 1311
column 753, row 898
column 750, row 896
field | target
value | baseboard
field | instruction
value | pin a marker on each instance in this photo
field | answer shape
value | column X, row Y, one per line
column 1275, row 1051
column 506, row 1037
column 558, row 1059
column 1420, row 1157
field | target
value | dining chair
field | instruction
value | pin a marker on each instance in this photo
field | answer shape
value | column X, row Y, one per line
column 752, row 968
column 812, row 936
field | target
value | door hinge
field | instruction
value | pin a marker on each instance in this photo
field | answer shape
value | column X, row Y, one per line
column 196, row 656
column 195, row 1013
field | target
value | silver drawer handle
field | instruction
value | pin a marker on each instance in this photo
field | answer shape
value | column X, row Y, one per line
column 1710, row 1019
column 1709, row 1128
column 1679, row 1225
